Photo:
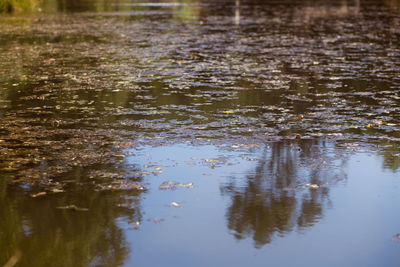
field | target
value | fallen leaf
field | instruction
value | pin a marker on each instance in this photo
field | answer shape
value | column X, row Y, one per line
column 174, row 204
column 312, row 186
column 56, row 190
column 249, row 159
column 155, row 220
column 39, row 194
column 174, row 185
column 14, row 259
column 72, row 207
column 210, row 160
column 372, row 125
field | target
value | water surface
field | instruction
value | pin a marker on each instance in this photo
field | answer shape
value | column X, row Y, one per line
column 200, row 133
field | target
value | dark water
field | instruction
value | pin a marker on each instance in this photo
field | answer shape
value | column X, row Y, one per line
column 199, row 133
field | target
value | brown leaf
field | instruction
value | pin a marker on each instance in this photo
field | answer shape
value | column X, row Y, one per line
column 39, row 194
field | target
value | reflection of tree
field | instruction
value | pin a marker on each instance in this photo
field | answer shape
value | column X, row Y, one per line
column 274, row 198
column 48, row 236
column 391, row 158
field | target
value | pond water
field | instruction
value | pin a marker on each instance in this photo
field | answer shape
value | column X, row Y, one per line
column 200, row 133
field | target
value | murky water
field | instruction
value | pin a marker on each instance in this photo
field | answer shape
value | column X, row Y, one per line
column 200, row 133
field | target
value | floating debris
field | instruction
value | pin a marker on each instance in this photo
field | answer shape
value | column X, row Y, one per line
column 155, row 220
column 123, row 205
column 57, row 190
column 39, row 194
column 171, row 185
column 395, row 238
column 14, row 259
column 121, row 185
column 249, row 159
column 373, row 125
column 72, row 207
column 134, row 225
column 210, row 160
column 174, row 204
column 313, row 186
column 144, row 173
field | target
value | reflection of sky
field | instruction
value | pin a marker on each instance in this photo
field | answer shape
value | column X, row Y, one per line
column 199, row 225
column 360, row 215
column 354, row 231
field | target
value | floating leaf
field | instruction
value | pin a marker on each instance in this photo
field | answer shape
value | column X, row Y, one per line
column 39, row 194
column 249, row 159
column 155, row 220
column 72, row 207
column 210, row 160
column 174, row 204
column 56, row 190
column 312, row 186
column 121, row 185
column 174, row 185
column 14, row 259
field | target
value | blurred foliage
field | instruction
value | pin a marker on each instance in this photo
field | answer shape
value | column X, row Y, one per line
column 10, row 6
